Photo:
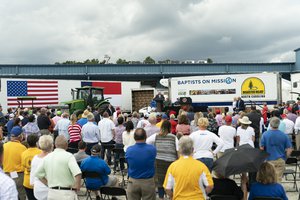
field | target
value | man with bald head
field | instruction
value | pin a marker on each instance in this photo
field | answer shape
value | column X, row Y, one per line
column 141, row 169
column 60, row 172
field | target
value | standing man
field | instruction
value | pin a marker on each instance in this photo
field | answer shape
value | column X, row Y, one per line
column 278, row 145
column 62, row 126
column 43, row 122
column 152, row 128
column 240, row 104
column 107, row 133
column 8, row 190
column 57, row 117
column 255, row 118
column 227, row 133
column 141, row 159
column 187, row 178
column 12, row 159
column 90, row 133
column 289, row 126
column 60, row 172
column 290, row 115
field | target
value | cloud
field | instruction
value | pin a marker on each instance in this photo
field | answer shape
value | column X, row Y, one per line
column 47, row 31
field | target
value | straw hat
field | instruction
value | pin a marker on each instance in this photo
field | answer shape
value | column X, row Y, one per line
column 85, row 114
column 245, row 120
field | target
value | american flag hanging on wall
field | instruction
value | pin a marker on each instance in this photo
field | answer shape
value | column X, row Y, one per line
column 46, row 92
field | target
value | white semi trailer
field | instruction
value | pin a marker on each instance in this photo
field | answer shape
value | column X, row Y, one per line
column 220, row 90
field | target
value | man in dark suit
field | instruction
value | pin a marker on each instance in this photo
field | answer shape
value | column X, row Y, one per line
column 240, row 104
column 110, row 110
column 255, row 117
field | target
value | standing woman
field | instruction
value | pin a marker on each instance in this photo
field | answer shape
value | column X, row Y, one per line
column 40, row 190
column 245, row 133
column 167, row 152
column 128, row 135
column 203, row 142
column 194, row 123
column 74, row 131
column 183, row 127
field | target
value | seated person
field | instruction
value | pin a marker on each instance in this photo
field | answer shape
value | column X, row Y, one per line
column 226, row 186
column 94, row 163
column 267, row 185
column 80, row 155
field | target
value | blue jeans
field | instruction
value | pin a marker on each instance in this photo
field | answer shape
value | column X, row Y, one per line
column 208, row 162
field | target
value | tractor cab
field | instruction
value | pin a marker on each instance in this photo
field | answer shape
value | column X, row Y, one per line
column 87, row 96
column 91, row 95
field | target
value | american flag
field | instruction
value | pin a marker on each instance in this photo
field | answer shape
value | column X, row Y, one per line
column 46, row 92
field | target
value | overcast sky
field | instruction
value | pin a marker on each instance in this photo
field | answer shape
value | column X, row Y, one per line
column 46, row 31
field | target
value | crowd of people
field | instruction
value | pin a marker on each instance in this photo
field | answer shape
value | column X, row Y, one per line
column 45, row 152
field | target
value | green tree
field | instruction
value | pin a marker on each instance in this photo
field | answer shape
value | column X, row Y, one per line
column 209, row 61
column 121, row 61
column 250, row 85
column 149, row 60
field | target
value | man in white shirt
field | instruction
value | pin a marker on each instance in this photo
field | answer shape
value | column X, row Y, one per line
column 8, row 190
column 107, row 133
column 90, row 133
column 143, row 122
column 289, row 126
column 227, row 133
column 62, row 126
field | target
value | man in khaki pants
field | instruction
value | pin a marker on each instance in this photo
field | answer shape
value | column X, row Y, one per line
column 278, row 145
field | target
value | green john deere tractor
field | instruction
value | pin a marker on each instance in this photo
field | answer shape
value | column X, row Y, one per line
column 87, row 96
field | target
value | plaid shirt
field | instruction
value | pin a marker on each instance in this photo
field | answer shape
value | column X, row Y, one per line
column 8, row 190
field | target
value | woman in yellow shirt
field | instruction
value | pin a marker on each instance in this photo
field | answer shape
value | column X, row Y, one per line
column 27, row 157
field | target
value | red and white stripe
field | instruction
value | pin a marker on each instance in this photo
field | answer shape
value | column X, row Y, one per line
column 46, row 93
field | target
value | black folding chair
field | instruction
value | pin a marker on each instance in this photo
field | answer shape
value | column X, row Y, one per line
column 94, row 175
column 292, row 162
column 108, row 192
column 267, row 198
column 223, row 197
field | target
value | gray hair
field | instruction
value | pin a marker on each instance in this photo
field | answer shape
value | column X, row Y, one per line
column 152, row 120
column 90, row 117
column 274, row 123
column 186, row 146
column 46, row 143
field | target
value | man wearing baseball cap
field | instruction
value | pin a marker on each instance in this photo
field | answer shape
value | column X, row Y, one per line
column 12, row 159
column 164, row 117
column 94, row 163
column 227, row 133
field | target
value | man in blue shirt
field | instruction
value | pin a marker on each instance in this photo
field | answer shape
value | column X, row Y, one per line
column 95, row 164
column 140, row 158
column 278, row 145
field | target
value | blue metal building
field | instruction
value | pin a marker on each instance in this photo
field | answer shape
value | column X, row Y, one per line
column 144, row 72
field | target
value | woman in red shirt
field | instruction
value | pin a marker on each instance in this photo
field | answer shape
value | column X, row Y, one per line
column 173, row 124
column 74, row 130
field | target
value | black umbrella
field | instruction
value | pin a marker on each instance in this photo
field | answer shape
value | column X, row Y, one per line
column 239, row 160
